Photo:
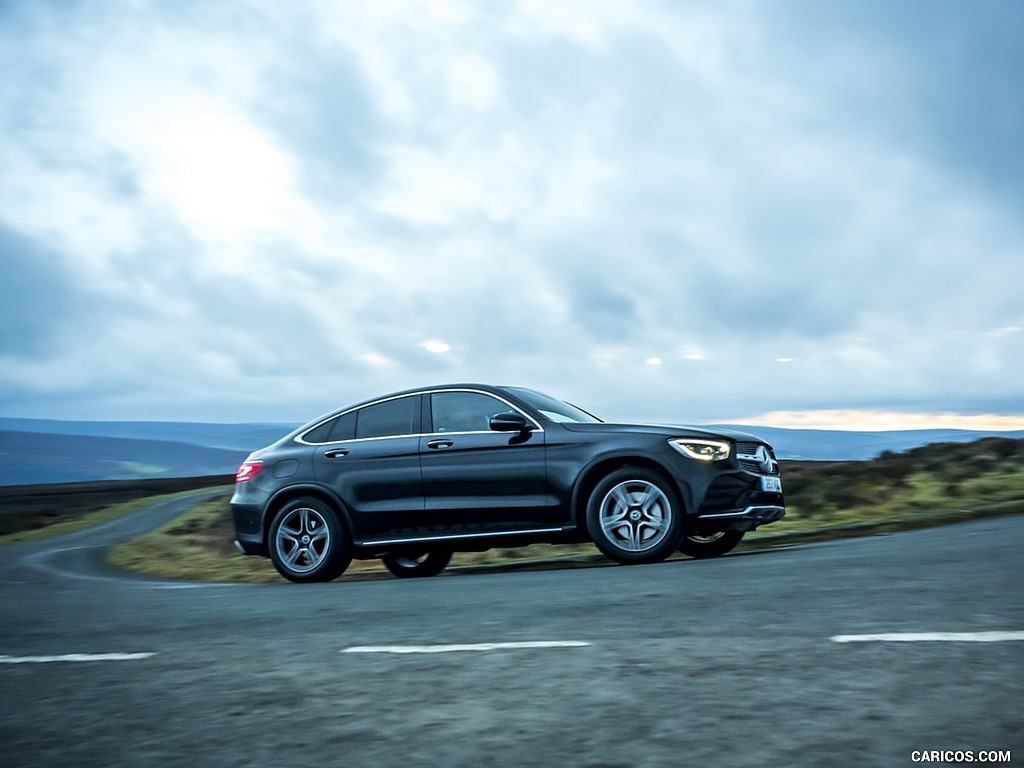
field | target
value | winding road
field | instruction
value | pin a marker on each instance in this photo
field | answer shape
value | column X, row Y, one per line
column 854, row 653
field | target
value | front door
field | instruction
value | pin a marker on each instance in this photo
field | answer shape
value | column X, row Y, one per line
column 477, row 479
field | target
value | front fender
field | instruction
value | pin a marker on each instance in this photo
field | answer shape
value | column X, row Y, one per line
column 608, row 462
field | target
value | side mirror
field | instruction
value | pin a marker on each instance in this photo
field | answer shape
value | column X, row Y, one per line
column 510, row 422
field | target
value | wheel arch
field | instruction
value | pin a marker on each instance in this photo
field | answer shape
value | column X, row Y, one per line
column 286, row 495
column 600, row 469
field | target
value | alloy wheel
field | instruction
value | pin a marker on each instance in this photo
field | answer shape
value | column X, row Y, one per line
column 303, row 539
column 635, row 515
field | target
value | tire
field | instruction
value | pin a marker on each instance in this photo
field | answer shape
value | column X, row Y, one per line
column 412, row 565
column 308, row 543
column 713, row 545
column 634, row 516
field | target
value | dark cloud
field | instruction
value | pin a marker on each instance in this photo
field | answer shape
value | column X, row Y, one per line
column 603, row 312
column 939, row 78
column 38, row 301
column 317, row 103
column 972, row 105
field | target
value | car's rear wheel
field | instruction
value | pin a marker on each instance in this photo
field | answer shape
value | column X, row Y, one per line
column 634, row 516
column 308, row 542
column 711, row 545
column 410, row 565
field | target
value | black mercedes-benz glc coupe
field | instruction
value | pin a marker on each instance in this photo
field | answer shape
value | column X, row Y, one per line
column 414, row 476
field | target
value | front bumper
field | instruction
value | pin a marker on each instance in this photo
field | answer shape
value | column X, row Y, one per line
column 746, row 519
column 736, row 501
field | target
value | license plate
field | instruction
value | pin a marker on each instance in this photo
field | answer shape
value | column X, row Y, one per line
column 771, row 484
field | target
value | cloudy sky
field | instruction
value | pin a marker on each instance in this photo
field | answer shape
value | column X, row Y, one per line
column 786, row 212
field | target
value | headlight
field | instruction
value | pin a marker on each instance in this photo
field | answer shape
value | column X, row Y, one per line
column 704, row 450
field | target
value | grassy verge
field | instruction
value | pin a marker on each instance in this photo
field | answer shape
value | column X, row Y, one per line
column 29, row 512
column 196, row 546
column 89, row 519
column 949, row 478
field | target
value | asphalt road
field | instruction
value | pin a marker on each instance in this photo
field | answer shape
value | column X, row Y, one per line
column 730, row 662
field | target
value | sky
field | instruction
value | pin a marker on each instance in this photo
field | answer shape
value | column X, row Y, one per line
column 782, row 212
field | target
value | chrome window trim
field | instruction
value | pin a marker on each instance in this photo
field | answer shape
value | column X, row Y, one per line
column 302, row 441
column 358, row 440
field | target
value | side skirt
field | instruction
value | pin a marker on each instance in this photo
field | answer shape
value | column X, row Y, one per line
column 469, row 541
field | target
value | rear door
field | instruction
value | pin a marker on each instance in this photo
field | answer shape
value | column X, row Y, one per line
column 475, row 478
column 372, row 462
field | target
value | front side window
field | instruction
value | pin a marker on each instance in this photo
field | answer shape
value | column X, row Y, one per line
column 464, row 411
column 389, row 418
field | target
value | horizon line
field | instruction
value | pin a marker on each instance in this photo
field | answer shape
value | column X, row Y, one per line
column 854, row 420
column 838, row 420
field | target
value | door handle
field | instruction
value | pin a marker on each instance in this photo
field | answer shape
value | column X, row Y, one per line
column 440, row 444
column 336, row 454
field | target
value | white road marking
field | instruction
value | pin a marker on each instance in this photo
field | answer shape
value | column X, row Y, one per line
column 465, row 647
column 74, row 657
column 931, row 637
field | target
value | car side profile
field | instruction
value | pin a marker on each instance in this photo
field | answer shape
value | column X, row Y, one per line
column 414, row 476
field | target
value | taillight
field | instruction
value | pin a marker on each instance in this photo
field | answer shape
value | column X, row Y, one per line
column 247, row 471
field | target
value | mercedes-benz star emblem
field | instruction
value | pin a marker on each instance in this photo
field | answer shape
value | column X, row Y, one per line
column 764, row 458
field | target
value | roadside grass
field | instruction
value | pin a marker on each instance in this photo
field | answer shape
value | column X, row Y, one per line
column 30, row 512
column 940, row 478
column 196, row 547
column 89, row 520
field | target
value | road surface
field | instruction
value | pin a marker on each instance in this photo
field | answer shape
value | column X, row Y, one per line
column 861, row 652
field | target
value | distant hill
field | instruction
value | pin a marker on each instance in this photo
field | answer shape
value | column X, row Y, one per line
column 45, row 451
column 835, row 445
column 243, row 437
column 36, row 458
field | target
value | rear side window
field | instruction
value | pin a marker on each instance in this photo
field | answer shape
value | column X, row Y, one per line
column 339, row 428
column 391, row 417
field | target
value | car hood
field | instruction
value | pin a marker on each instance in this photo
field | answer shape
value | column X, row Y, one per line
column 669, row 430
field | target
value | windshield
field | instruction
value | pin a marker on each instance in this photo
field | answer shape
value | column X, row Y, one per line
column 553, row 409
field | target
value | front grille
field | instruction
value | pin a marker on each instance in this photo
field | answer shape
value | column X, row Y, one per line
column 746, row 455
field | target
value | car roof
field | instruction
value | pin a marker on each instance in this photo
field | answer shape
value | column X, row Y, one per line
column 490, row 388
column 432, row 387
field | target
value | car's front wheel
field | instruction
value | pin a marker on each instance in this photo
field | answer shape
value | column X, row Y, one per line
column 409, row 565
column 634, row 516
column 308, row 542
column 711, row 545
